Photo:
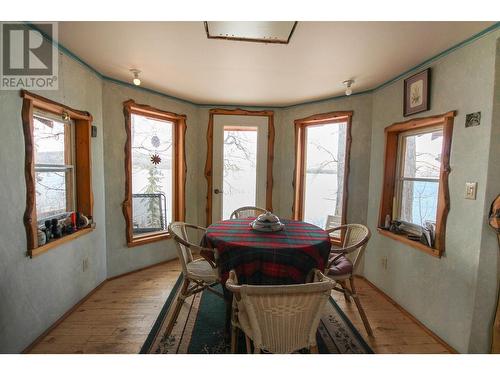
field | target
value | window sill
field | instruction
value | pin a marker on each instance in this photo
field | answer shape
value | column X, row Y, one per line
column 55, row 243
column 148, row 238
column 417, row 245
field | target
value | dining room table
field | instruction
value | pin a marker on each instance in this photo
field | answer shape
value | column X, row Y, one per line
column 283, row 257
column 268, row 258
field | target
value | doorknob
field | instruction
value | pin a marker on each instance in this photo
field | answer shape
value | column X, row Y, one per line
column 217, row 191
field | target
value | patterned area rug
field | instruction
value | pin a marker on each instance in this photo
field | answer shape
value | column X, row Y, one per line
column 199, row 329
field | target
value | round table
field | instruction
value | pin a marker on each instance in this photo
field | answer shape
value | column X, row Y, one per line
column 276, row 258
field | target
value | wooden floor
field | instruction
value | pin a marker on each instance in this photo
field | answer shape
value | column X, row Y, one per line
column 394, row 332
column 118, row 317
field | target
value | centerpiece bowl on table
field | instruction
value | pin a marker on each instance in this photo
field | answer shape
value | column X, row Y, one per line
column 267, row 222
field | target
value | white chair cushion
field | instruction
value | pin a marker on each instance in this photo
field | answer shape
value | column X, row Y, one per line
column 200, row 269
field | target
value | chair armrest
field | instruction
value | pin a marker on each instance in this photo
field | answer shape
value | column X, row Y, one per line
column 348, row 249
column 320, row 277
column 232, row 282
column 340, row 227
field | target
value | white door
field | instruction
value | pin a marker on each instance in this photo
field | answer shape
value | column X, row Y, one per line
column 239, row 163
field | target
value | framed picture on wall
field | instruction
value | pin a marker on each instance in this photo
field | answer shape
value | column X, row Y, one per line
column 417, row 93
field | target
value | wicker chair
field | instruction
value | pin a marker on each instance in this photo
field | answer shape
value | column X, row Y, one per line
column 199, row 274
column 278, row 318
column 247, row 211
column 341, row 269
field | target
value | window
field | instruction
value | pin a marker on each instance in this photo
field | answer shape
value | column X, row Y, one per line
column 57, row 169
column 415, row 191
column 419, row 155
column 54, row 169
column 321, row 168
column 155, row 172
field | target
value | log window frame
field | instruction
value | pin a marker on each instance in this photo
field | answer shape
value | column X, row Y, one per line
column 301, row 126
column 390, row 174
column 84, row 200
column 179, row 169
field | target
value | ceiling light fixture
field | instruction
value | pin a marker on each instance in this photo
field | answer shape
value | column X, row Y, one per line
column 251, row 31
column 136, row 79
column 348, row 83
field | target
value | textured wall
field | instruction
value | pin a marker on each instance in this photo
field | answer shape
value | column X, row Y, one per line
column 487, row 275
column 34, row 293
column 453, row 295
column 361, row 105
column 440, row 292
column 121, row 258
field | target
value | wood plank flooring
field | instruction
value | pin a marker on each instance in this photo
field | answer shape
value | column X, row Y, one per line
column 118, row 317
column 394, row 332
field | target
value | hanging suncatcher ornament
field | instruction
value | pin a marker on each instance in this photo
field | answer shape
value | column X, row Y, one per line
column 155, row 159
column 155, row 141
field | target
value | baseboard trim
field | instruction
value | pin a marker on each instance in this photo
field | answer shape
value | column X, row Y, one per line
column 79, row 303
column 410, row 316
column 139, row 269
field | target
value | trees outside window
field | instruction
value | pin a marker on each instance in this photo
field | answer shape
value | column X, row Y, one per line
column 155, row 171
column 418, row 175
column 322, row 145
column 415, row 181
column 58, row 168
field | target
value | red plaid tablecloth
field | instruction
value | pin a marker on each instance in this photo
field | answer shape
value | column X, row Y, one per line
column 277, row 258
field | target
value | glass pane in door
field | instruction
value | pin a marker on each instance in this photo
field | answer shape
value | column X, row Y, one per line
column 324, row 174
column 239, row 169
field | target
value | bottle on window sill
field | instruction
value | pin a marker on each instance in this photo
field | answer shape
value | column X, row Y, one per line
column 42, row 238
column 56, row 229
column 48, row 230
column 387, row 224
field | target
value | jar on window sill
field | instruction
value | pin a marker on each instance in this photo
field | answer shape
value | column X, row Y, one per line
column 42, row 238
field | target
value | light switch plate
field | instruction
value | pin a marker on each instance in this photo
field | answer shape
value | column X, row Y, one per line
column 470, row 190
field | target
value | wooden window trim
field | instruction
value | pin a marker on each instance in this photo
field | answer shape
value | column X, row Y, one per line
column 390, row 171
column 300, row 144
column 83, row 163
column 209, row 160
column 179, row 171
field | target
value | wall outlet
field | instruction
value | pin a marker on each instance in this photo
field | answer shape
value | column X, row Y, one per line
column 85, row 264
column 383, row 262
column 470, row 190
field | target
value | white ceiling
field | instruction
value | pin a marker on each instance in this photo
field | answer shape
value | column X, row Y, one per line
column 177, row 59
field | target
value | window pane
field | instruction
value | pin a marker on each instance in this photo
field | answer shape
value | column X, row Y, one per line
column 51, row 196
column 419, row 202
column 152, row 163
column 422, row 157
column 324, row 174
column 54, row 189
column 240, row 170
column 49, row 141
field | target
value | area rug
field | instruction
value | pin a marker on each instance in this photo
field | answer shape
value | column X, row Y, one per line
column 199, row 329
